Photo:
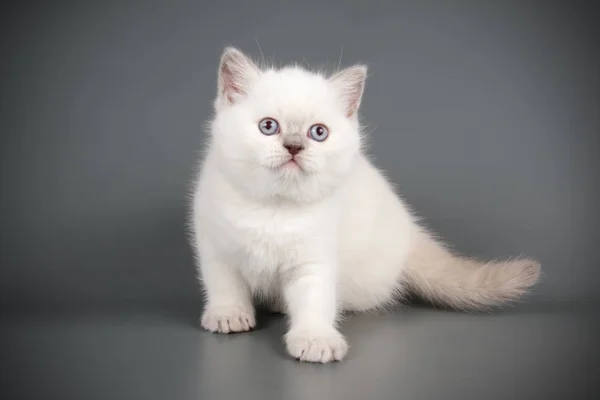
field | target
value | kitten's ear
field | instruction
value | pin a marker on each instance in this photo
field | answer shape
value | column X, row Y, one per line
column 350, row 84
column 236, row 73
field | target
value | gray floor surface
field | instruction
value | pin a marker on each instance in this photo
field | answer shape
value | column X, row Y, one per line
column 527, row 352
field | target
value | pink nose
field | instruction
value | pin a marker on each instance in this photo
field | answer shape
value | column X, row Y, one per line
column 293, row 149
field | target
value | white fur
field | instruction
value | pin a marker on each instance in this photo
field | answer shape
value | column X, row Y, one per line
column 322, row 236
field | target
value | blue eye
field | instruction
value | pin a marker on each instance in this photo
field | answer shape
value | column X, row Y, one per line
column 318, row 132
column 268, row 126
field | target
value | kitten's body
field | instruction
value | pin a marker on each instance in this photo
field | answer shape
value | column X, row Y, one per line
column 321, row 235
column 365, row 226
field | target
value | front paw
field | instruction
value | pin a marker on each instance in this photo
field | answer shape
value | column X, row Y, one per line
column 316, row 345
column 227, row 319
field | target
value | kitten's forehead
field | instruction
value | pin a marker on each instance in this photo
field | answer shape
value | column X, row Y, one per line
column 294, row 92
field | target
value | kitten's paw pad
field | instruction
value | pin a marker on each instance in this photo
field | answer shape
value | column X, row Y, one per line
column 228, row 319
column 316, row 346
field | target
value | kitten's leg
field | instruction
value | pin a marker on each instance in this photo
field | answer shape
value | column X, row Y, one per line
column 309, row 293
column 228, row 300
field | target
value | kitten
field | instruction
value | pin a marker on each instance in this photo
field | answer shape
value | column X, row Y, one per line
column 287, row 209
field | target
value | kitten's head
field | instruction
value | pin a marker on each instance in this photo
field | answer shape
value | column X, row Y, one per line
column 285, row 133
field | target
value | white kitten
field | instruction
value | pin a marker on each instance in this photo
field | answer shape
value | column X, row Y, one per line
column 287, row 209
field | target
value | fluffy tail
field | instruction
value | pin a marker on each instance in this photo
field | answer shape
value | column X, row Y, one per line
column 443, row 278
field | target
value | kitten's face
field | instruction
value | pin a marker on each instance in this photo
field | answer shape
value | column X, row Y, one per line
column 285, row 133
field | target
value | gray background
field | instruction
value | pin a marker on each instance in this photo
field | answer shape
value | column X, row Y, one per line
column 485, row 114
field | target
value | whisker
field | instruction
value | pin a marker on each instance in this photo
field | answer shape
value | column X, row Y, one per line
column 260, row 50
column 341, row 55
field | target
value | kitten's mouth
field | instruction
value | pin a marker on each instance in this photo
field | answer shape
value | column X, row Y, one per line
column 292, row 163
